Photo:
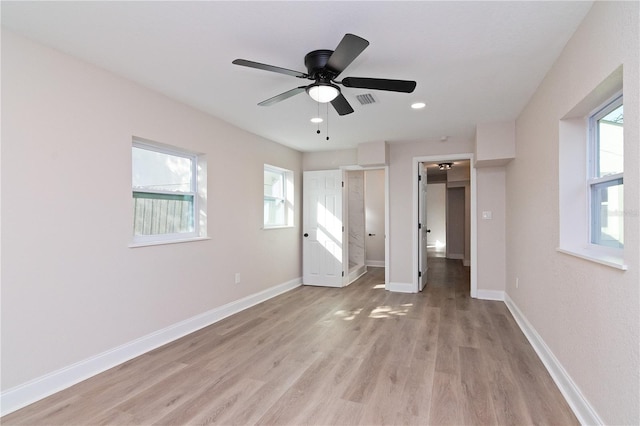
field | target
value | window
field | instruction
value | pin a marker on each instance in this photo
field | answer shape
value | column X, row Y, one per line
column 278, row 197
column 605, row 180
column 165, row 194
column 590, row 176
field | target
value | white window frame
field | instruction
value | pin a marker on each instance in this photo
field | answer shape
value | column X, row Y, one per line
column 593, row 180
column 574, row 172
column 197, row 192
column 287, row 199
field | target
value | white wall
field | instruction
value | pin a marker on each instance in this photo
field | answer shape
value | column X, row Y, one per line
column 71, row 286
column 374, row 216
column 588, row 314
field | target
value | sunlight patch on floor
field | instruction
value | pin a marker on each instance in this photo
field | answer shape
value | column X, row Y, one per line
column 348, row 315
column 389, row 311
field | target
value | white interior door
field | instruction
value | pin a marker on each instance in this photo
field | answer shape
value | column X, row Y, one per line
column 323, row 229
column 422, row 225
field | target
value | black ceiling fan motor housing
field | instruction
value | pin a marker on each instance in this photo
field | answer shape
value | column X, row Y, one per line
column 316, row 63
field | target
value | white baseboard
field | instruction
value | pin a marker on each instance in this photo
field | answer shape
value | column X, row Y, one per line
column 466, row 262
column 455, row 256
column 490, row 295
column 375, row 263
column 581, row 408
column 402, row 287
column 41, row 387
column 357, row 273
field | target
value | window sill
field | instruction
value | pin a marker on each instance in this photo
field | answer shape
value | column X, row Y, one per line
column 267, row 228
column 612, row 261
column 161, row 243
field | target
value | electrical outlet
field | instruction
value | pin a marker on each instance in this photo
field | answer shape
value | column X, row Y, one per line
column 237, row 277
column 517, row 282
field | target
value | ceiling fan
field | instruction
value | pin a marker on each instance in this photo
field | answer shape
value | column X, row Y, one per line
column 323, row 67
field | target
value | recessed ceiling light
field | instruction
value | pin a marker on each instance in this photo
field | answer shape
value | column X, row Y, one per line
column 316, row 120
column 418, row 105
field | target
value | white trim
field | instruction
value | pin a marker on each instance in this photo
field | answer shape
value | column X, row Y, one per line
column 288, row 187
column 581, row 408
column 356, row 273
column 387, row 250
column 474, row 230
column 402, row 287
column 597, row 257
column 195, row 192
column 161, row 243
column 455, row 256
column 41, row 387
column 376, row 263
column 473, row 211
column 491, row 294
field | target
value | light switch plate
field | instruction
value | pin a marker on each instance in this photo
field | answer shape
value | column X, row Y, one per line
column 487, row 215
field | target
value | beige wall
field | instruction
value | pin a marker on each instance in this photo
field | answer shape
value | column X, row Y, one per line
column 329, row 160
column 492, row 262
column 436, row 213
column 588, row 314
column 455, row 222
column 71, row 286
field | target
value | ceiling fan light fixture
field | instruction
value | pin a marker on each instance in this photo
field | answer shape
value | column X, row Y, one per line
column 418, row 105
column 445, row 166
column 323, row 92
column 317, row 120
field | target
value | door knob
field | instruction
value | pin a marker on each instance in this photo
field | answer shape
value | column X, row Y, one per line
column 372, row 235
column 428, row 230
column 306, row 235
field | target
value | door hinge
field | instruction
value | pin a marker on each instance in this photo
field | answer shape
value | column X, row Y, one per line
column 419, row 177
column 419, row 226
column 343, row 184
column 419, row 274
column 342, row 228
column 343, row 273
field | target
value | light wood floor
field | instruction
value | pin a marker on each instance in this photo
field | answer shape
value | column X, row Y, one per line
column 358, row 355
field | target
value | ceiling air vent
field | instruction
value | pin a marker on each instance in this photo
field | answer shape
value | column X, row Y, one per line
column 366, row 99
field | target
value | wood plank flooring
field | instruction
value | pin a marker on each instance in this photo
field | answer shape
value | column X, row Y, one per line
column 323, row 356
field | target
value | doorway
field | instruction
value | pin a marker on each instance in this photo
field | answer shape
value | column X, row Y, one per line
column 336, row 232
column 458, row 186
column 367, row 224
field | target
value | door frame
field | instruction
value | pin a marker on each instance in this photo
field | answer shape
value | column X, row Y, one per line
column 423, row 265
column 473, row 212
column 386, row 216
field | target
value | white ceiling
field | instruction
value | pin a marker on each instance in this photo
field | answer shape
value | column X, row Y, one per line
column 474, row 62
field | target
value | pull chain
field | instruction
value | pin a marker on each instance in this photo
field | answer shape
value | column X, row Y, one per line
column 318, row 132
column 327, row 120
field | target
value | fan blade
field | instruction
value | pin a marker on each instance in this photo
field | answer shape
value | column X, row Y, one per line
column 349, row 48
column 283, row 96
column 404, row 86
column 271, row 68
column 341, row 105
